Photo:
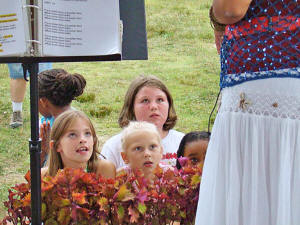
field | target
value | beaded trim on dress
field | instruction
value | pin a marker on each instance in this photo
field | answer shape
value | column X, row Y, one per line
column 231, row 79
column 260, row 102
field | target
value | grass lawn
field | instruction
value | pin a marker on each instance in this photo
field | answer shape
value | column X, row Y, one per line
column 181, row 52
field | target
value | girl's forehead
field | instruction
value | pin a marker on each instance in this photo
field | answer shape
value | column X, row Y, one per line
column 143, row 135
column 151, row 88
column 197, row 143
column 146, row 132
column 77, row 123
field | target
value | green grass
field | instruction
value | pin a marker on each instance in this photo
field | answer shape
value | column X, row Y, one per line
column 181, row 52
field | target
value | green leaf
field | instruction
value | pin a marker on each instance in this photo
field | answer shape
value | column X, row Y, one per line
column 195, row 180
column 44, row 210
column 181, row 181
column 142, row 208
column 62, row 202
column 121, row 212
column 183, row 214
column 181, row 191
column 64, row 216
column 51, row 221
column 103, row 203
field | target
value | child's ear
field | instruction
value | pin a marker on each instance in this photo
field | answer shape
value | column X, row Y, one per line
column 124, row 157
column 58, row 149
column 43, row 101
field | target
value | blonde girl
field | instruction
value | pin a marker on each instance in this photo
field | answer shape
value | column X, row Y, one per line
column 141, row 148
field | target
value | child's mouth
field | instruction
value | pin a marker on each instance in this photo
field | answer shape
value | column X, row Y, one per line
column 148, row 164
column 82, row 150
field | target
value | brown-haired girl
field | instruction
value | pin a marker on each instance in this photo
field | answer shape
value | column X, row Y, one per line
column 74, row 144
column 147, row 99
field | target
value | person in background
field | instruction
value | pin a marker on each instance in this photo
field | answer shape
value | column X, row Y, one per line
column 18, row 89
column 57, row 90
column 251, row 170
column 147, row 99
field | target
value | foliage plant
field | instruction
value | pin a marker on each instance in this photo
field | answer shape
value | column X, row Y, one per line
column 76, row 197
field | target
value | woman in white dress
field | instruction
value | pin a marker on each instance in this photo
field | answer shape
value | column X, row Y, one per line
column 251, row 174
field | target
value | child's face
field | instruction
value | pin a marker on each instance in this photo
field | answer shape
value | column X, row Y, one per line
column 143, row 151
column 151, row 105
column 76, row 145
column 195, row 151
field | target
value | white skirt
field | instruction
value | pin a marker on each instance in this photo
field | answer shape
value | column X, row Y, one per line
column 251, row 174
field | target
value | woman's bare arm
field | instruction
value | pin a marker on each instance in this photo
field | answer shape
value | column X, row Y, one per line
column 230, row 11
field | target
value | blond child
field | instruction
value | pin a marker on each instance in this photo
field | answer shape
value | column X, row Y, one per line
column 74, row 144
column 141, row 148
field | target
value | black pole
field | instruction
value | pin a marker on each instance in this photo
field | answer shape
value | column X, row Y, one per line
column 35, row 147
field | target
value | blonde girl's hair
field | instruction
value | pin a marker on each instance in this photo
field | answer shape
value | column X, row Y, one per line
column 127, row 112
column 137, row 126
column 60, row 127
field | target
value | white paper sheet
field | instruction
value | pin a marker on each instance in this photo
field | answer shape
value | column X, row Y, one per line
column 80, row 27
column 13, row 28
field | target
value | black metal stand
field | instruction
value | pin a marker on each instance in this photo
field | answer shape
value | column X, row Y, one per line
column 35, row 146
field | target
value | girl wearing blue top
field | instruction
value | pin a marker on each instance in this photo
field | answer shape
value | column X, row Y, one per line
column 57, row 90
column 251, row 171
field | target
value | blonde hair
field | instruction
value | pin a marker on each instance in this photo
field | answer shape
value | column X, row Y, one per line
column 60, row 127
column 127, row 112
column 137, row 126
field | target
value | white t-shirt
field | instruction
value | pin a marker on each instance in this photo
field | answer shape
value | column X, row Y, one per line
column 112, row 148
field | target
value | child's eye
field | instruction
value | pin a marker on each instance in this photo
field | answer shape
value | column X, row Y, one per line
column 194, row 160
column 72, row 135
column 160, row 100
column 88, row 133
column 145, row 100
column 138, row 148
column 152, row 147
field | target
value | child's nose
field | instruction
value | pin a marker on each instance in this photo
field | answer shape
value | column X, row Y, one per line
column 147, row 152
column 153, row 105
column 82, row 139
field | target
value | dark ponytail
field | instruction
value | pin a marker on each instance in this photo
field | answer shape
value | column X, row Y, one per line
column 60, row 87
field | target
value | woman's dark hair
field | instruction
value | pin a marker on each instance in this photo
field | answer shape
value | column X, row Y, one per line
column 188, row 138
column 59, row 86
column 127, row 112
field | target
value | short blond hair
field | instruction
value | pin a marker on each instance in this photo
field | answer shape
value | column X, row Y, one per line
column 137, row 126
